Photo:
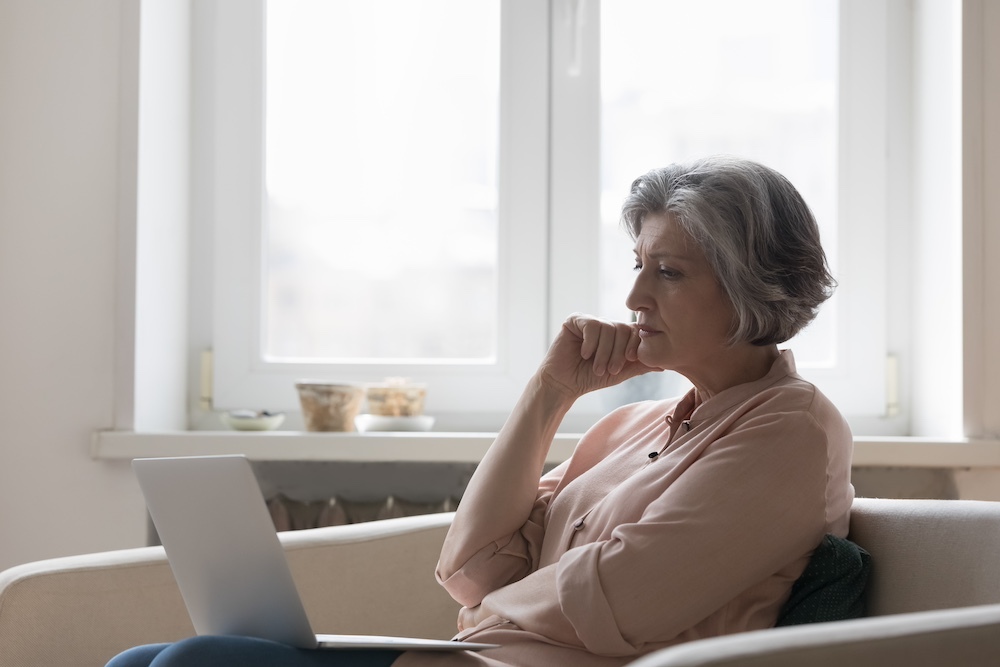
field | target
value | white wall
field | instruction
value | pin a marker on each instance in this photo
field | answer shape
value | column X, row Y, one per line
column 59, row 114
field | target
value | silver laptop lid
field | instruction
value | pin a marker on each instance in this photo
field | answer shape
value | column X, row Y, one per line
column 223, row 548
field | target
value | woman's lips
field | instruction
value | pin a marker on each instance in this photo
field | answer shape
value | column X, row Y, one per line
column 646, row 332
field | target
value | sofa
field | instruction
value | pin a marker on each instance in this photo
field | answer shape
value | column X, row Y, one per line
column 933, row 597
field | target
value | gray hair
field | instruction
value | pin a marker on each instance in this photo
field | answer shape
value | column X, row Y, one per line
column 757, row 233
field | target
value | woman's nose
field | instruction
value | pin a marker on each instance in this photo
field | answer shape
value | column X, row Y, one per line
column 636, row 299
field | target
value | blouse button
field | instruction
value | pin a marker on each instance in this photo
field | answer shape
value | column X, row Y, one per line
column 578, row 525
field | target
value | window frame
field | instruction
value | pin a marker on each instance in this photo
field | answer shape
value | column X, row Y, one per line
column 458, row 390
column 858, row 381
column 552, row 188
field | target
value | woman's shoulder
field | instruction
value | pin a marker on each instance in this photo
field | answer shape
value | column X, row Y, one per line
column 793, row 393
column 781, row 390
column 791, row 412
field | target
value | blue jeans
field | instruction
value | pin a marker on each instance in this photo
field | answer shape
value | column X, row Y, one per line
column 214, row 651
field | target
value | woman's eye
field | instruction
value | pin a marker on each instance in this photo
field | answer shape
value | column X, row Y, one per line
column 663, row 271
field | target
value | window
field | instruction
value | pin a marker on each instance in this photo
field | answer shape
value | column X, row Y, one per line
column 489, row 246
column 723, row 84
column 381, row 228
column 519, row 205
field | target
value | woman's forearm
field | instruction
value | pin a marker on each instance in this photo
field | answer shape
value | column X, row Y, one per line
column 502, row 491
column 587, row 354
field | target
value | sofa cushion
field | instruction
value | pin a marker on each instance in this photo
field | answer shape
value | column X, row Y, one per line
column 832, row 587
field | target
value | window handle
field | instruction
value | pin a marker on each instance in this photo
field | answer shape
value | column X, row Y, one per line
column 575, row 19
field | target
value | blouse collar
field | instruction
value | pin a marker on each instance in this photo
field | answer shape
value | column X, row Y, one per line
column 783, row 366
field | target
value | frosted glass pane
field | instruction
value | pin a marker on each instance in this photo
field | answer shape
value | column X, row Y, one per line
column 381, row 180
column 682, row 79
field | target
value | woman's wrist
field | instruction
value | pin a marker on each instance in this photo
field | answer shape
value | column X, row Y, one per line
column 555, row 397
column 535, row 419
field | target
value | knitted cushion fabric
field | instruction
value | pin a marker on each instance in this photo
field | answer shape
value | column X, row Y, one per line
column 832, row 587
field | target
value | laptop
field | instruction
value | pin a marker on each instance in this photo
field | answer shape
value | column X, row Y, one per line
column 228, row 562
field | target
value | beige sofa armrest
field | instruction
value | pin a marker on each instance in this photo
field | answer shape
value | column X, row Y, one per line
column 82, row 610
column 969, row 636
column 375, row 577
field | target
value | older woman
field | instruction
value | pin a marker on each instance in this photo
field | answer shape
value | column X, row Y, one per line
column 674, row 519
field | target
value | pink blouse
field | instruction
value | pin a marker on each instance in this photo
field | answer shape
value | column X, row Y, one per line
column 666, row 525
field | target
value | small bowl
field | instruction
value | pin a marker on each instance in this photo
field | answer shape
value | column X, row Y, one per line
column 252, row 420
column 396, row 400
column 328, row 406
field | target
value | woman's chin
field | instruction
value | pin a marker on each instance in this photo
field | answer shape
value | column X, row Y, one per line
column 651, row 359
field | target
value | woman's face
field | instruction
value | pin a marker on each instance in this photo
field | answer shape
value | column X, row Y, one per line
column 684, row 317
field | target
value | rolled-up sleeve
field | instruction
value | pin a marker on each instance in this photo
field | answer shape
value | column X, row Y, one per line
column 751, row 504
column 506, row 559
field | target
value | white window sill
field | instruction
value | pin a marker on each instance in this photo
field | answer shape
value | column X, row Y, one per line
column 303, row 446
column 470, row 447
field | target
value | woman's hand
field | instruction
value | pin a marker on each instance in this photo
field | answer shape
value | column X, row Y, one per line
column 470, row 617
column 590, row 354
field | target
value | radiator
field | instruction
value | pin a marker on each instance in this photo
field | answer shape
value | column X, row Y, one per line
column 289, row 514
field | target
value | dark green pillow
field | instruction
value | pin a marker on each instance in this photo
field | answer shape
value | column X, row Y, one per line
column 832, row 587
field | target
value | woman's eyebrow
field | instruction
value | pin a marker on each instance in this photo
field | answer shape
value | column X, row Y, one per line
column 664, row 255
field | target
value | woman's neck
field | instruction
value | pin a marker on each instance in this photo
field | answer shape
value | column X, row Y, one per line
column 738, row 365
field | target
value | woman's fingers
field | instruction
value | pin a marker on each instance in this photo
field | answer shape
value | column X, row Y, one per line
column 620, row 348
column 590, row 354
column 632, row 346
column 608, row 344
column 466, row 619
column 590, row 331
